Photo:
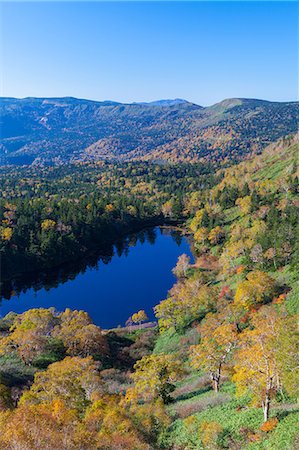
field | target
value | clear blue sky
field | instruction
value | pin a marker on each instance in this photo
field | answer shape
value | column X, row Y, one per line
column 200, row 51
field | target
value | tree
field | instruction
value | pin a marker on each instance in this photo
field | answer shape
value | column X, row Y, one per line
column 189, row 300
column 201, row 235
column 88, row 341
column 6, row 233
column 167, row 208
column 218, row 340
column 256, row 254
column 183, row 264
column 199, row 220
column 209, row 434
column 260, row 360
column 111, row 424
column 139, row 317
column 216, row 235
column 154, row 377
column 270, row 255
column 30, row 333
column 73, row 380
column 244, row 204
column 48, row 224
column 69, row 329
column 44, row 426
column 256, row 289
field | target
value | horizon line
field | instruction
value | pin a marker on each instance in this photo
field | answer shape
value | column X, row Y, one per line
column 183, row 100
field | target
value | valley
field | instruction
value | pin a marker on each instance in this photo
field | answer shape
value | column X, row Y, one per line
column 216, row 366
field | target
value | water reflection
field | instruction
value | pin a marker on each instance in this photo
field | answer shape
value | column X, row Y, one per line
column 69, row 271
column 134, row 273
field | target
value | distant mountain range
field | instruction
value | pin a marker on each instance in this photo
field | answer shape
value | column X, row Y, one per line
column 59, row 130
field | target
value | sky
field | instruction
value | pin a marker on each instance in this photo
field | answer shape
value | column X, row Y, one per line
column 143, row 51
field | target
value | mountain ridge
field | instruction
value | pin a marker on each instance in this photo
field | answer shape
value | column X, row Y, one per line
column 67, row 129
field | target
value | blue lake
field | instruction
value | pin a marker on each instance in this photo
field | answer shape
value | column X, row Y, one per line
column 137, row 275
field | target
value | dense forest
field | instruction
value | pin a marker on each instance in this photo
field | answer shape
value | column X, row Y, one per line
column 220, row 371
column 53, row 215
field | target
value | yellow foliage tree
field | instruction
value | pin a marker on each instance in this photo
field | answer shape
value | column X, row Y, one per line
column 244, row 204
column 48, row 224
column 29, row 334
column 256, row 289
column 201, row 235
column 218, row 340
column 139, row 317
column 189, row 300
column 6, row 233
column 216, row 235
column 44, row 426
column 259, row 367
column 154, row 377
column 74, row 380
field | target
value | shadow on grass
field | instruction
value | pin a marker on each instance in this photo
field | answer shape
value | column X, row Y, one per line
column 283, row 414
column 192, row 394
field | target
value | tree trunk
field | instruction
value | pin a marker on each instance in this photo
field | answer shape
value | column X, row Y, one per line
column 266, row 407
column 216, row 384
column 216, row 379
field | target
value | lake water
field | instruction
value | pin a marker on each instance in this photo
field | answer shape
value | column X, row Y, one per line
column 136, row 275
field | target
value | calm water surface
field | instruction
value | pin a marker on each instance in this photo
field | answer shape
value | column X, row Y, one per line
column 136, row 276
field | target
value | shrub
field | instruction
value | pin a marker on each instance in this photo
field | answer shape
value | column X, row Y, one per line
column 269, row 425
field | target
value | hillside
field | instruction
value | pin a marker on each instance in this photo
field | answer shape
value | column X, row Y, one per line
column 245, row 281
column 42, row 130
column 221, row 369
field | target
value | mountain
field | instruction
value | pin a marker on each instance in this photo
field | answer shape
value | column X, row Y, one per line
column 58, row 130
column 167, row 102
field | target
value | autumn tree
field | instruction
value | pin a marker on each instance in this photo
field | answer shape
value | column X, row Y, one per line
column 88, row 341
column 167, row 208
column 111, row 425
column 255, row 290
column 259, row 366
column 29, row 334
column 139, row 317
column 6, row 233
column 48, row 224
column 199, row 220
column 217, row 342
column 76, row 337
column 44, row 426
column 189, row 300
column 154, row 377
column 73, row 380
column 182, row 266
column 201, row 235
column 244, row 204
column 216, row 235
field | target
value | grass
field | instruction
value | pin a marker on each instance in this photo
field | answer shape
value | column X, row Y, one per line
column 195, row 404
column 231, row 415
column 200, row 400
column 13, row 371
column 284, row 437
column 167, row 342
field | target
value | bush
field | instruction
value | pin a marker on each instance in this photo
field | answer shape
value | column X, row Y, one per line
column 269, row 425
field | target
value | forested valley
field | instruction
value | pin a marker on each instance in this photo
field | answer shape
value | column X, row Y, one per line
column 52, row 215
column 220, row 368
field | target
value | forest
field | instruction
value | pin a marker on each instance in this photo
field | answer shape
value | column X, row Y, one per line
column 53, row 215
column 220, row 369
